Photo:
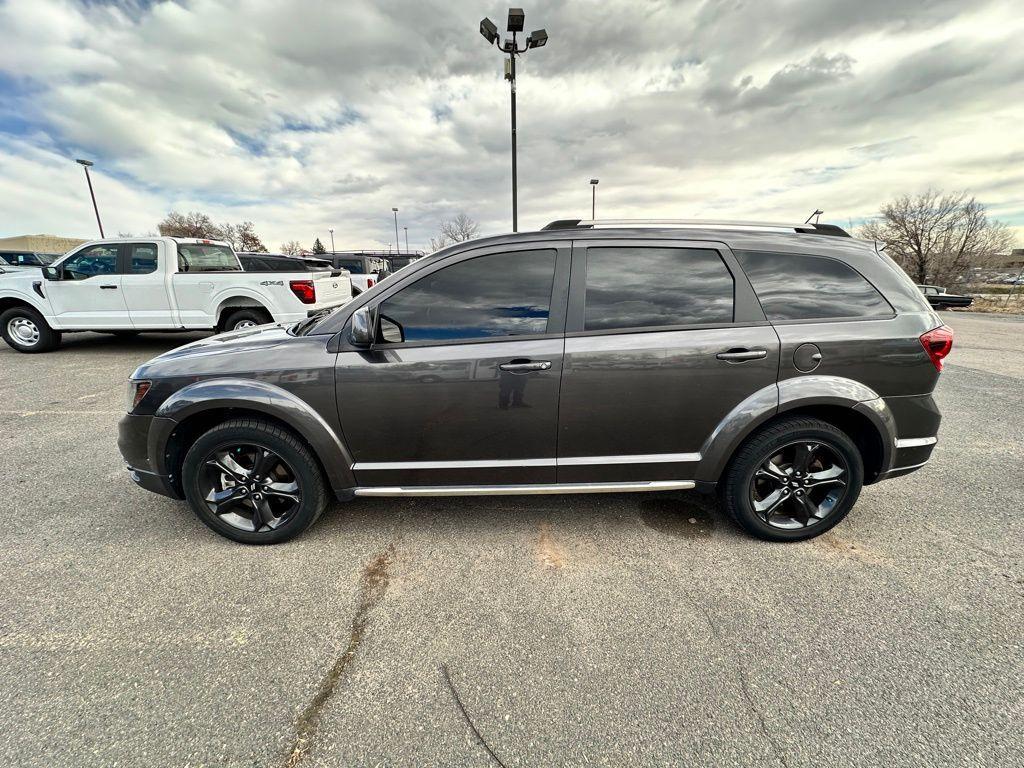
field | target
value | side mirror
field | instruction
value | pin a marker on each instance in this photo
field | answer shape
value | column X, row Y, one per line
column 51, row 273
column 362, row 327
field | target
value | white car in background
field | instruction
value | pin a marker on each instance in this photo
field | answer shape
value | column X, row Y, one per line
column 128, row 285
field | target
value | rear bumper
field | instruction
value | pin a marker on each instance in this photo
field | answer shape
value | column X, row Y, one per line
column 917, row 425
column 911, row 454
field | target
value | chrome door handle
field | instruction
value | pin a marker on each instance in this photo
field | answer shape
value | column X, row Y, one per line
column 525, row 366
column 109, row 287
column 739, row 355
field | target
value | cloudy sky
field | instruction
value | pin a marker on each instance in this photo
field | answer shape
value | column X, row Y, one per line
column 304, row 115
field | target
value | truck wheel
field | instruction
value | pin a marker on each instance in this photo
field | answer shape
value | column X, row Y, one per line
column 25, row 330
column 246, row 318
column 253, row 482
column 793, row 480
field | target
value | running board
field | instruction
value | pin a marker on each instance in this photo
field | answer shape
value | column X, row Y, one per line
column 525, row 490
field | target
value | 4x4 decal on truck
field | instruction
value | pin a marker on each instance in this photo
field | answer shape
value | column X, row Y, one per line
column 272, row 282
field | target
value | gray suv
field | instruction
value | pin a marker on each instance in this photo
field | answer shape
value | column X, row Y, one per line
column 781, row 366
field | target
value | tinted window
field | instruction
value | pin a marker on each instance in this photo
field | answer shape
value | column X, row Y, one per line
column 95, row 260
column 143, row 259
column 646, row 287
column 795, row 287
column 193, row 257
column 504, row 294
column 355, row 266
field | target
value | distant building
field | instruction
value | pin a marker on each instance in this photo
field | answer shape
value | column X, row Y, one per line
column 40, row 243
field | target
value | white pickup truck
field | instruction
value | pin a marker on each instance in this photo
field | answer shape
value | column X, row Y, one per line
column 155, row 284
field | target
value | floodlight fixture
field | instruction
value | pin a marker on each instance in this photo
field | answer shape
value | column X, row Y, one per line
column 516, row 19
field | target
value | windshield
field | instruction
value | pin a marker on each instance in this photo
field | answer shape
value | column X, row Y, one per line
column 199, row 257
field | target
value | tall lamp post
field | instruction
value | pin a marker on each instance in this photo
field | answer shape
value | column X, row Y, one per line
column 406, row 239
column 397, row 248
column 85, row 164
column 332, row 239
column 593, row 198
column 536, row 39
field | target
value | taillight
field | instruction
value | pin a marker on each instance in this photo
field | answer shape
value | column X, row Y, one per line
column 303, row 290
column 937, row 343
column 369, row 282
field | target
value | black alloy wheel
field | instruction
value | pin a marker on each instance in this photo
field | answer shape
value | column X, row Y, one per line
column 253, row 481
column 792, row 480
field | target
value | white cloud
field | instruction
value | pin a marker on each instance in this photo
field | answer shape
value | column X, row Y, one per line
column 305, row 115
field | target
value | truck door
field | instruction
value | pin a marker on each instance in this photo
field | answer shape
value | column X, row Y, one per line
column 88, row 294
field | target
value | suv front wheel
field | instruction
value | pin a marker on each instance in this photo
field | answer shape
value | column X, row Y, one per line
column 253, row 482
column 793, row 480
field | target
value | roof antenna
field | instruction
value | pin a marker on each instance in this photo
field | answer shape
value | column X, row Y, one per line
column 817, row 213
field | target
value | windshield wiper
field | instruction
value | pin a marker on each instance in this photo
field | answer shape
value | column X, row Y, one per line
column 302, row 326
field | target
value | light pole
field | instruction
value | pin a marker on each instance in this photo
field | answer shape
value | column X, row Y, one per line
column 85, row 164
column 332, row 239
column 593, row 198
column 395, row 211
column 536, row 39
column 406, row 239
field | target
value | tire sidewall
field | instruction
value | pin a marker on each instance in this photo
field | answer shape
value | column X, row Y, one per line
column 741, row 475
column 48, row 338
column 306, row 472
column 259, row 318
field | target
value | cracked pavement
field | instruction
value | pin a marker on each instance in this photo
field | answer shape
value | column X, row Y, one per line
column 606, row 630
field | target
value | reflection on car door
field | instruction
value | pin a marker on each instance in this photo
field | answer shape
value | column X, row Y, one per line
column 461, row 386
column 663, row 339
column 89, row 295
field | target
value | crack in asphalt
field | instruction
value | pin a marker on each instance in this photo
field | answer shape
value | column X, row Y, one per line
column 372, row 586
column 741, row 673
column 469, row 721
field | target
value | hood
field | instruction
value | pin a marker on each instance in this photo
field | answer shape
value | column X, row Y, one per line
column 238, row 351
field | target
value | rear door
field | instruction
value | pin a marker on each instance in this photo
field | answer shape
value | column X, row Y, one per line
column 89, row 295
column 663, row 339
column 461, row 386
column 146, row 287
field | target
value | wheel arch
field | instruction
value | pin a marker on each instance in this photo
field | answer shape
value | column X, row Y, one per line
column 194, row 409
column 847, row 404
column 242, row 300
column 10, row 301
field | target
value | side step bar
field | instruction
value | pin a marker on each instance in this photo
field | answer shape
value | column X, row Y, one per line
column 525, row 490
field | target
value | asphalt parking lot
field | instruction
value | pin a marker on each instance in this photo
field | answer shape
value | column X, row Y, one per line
column 594, row 630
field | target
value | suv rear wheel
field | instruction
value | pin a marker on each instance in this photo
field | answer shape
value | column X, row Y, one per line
column 793, row 480
column 253, row 482
column 25, row 330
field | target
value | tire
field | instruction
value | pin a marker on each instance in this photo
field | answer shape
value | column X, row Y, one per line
column 25, row 330
column 786, row 499
column 246, row 318
column 239, row 444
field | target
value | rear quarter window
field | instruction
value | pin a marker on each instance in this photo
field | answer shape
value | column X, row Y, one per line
column 794, row 286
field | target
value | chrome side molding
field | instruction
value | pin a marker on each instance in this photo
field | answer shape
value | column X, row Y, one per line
column 570, row 461
column 526, row 490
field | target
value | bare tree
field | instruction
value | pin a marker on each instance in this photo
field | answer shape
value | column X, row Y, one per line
column 439, row 242
column 242, row 236
column 938, row 237
column 459, row 229
column 191, row 224
column 292, row 248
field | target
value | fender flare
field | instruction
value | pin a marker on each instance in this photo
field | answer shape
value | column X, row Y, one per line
column 789, row 395
column 253, row 395
column 30, row 299
column 227, row 294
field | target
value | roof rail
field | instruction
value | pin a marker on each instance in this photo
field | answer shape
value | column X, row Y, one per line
column 749, row 226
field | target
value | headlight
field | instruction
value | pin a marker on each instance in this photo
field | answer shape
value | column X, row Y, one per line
column 137, row 389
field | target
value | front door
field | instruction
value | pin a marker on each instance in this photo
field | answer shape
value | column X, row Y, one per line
column 89, row 294
column 461, row 384
column 663, row 339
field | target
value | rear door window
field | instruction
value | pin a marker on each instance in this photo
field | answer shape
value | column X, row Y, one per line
column 798, row 287
column 641, row 287
column 143, row 258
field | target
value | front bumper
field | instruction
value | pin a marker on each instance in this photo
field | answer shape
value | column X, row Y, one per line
column 134, row 434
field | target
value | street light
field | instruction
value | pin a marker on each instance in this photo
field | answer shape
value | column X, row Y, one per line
column 593, row 198
column 406, row 239
column 85, row 164
column 397, row 248
column 332, row 239
column 536, row 39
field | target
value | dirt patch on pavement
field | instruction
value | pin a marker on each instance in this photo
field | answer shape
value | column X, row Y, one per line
column 549, row 552
column 833, row 544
